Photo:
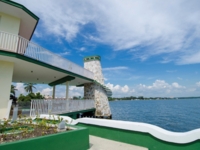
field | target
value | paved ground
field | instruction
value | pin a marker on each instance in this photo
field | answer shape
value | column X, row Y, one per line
column 97, row 143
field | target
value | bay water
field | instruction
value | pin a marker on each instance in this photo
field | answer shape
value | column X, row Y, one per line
column 178, row 115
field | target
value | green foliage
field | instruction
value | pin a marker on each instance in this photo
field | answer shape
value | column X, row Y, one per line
column 25, row 128
column 29, row 87
column 13, row 89
column 27, row 98
column 75, row 98
column 122, row 98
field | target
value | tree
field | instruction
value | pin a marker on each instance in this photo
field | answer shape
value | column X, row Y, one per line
column 29, row 87
column 29, row 97
column 13, row 89
column 75, row 98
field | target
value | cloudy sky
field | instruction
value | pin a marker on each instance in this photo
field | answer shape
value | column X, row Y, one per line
column 148, row 48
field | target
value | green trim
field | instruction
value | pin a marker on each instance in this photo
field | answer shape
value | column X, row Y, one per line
column 28, row 59
column 138, row 138
column 34, row 30
column 21, row 7
column 24, row 9
column 64, row 140
column 92, row 58
column 80, row 85
column 62, row 80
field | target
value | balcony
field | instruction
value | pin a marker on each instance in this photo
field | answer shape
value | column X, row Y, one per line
column 17, row 44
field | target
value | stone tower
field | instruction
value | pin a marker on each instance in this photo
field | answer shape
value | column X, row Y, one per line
column 97, row 90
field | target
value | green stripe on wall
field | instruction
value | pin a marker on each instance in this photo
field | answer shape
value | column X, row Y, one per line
column 138, row 138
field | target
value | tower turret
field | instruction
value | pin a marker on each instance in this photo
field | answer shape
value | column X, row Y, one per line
column 97, row 90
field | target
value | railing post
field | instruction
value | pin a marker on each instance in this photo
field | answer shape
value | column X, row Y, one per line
column 31, row 109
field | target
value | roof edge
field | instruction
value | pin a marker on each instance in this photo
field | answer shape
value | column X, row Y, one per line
column 24, row 9
column 21, row 7
column 31, row 60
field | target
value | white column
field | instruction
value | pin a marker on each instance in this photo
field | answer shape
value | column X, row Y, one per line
column 67, row 90
column 6, row 73
column 53, row 94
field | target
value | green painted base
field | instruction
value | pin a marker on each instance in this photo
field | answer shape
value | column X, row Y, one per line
column 138, row 138
column 77, row 139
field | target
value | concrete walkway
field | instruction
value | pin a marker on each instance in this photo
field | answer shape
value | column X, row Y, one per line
column 97, row 143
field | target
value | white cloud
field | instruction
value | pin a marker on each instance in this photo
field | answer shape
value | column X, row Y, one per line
column 105, row 79
column 179, row 78
column 161, row 88
column 82, row 49
column 115, row 68
column 47, row 91
column 157, row 26
column 191, row 58
column 117, row 89
column 125, row 89
column 198, row 84
column 176, row 85
column 134, row 77
column 158, row 88
column 20, row 88
column 171, row 71
column 76, row 91
column 64, row 53
column 73, row 91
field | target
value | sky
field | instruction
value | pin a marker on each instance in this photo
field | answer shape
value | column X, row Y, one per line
column 147, row 48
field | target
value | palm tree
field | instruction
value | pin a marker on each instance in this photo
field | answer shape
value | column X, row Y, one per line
column 29, row 87
column 13, row 89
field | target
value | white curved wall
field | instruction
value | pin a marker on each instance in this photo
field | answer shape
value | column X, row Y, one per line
column 162, row 134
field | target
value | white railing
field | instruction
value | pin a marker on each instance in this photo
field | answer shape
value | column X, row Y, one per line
column 54, row 107
column 20, row 45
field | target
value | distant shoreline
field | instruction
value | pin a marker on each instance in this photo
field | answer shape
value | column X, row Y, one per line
column 150, row 98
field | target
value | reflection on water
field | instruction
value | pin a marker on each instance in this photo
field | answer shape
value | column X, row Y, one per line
column 174, row 115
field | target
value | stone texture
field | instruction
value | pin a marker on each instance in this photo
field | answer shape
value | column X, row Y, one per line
column 96, row 92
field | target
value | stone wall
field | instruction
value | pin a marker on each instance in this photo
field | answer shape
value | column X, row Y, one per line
column 95, row 67
column 95, row 91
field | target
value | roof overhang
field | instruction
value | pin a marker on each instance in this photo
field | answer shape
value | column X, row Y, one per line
column 28, row 20
column 28, row 70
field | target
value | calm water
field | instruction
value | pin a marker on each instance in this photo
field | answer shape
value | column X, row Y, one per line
column 174, row 115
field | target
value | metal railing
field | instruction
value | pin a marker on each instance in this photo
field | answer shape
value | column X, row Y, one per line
column 17, row 44
column 54, row 107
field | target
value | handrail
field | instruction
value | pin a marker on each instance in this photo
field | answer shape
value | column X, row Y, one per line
column 17, row 44
column 55, row 106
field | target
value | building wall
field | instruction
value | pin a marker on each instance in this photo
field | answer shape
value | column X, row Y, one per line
column 95, row 91
column 6, row 73
column 9, row 23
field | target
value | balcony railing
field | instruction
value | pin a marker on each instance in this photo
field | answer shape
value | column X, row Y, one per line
column 55, row 107
column 17, row 44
